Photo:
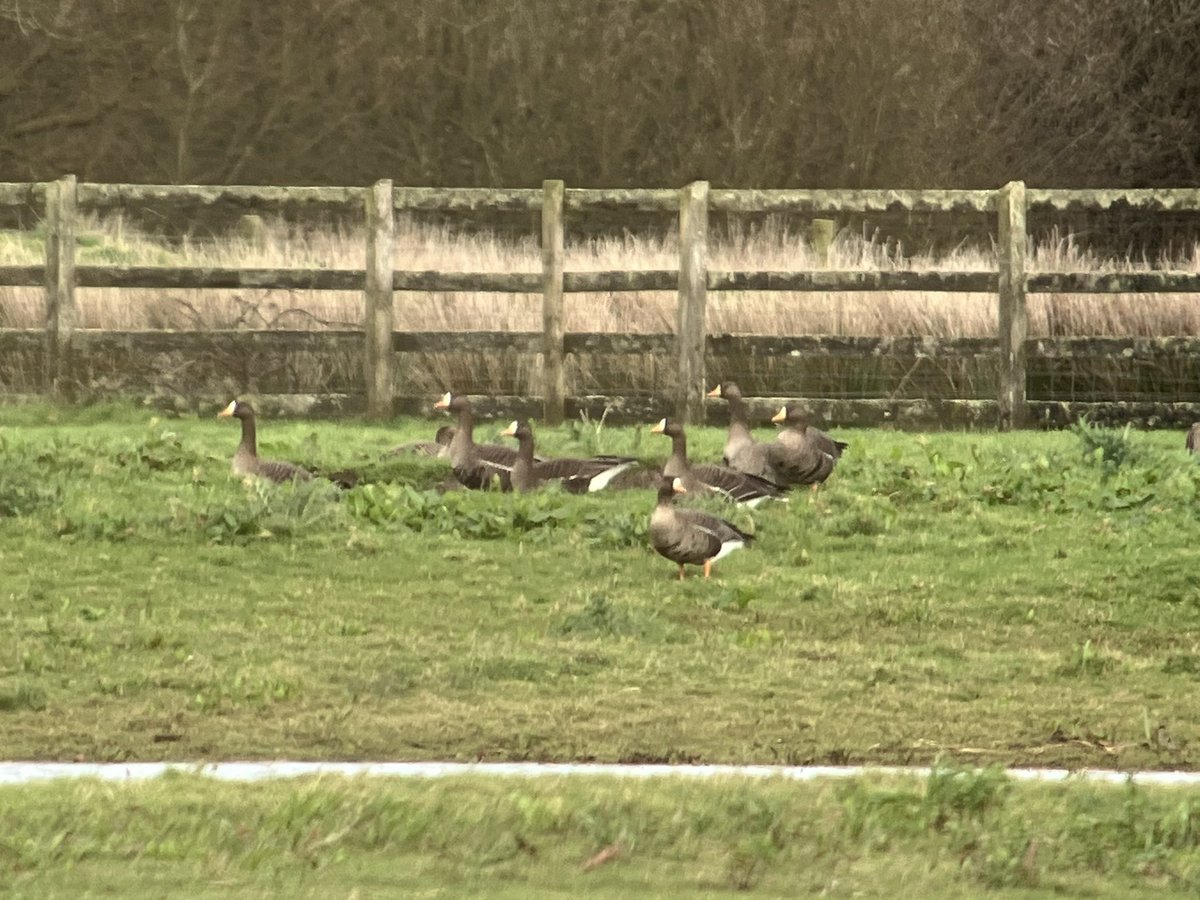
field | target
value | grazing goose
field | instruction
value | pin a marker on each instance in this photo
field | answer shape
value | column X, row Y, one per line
column 802, row 454
column 691, row 535
column 578, row 476
column 439, row 447
column 742, row 451
column 246, row 461
column 729, row 483
column 1193, row 438
column 476, row 466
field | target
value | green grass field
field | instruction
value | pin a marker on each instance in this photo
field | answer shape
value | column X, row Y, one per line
column 1028, row 599
column 953, row 834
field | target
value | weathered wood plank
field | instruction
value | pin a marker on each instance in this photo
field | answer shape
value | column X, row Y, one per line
column 1159, row 199
column 23, row 276
column 848, row 347
column 17, row 193
column 1013, row 321
column 612, row 343
column 475, row 282
column 378, row 312
column 219, row 277
column 843, row 280
column 639, row 199
column 693, row 294
column 467, row 342
column 1133, row 348
column 650, row 280
column 92, row 340
column 1113, row 282
column 554, row 386
column 466, row 199
column 261, row 197
column 573, row 282
column 805, row 201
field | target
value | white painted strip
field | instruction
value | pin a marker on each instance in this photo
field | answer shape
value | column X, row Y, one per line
column 31, row 772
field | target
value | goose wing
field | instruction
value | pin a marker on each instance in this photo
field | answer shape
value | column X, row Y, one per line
column 800, row 460
column 484, row 464
column 579, row 476
column 750, row 457
column 279, row 471
column 736, row 486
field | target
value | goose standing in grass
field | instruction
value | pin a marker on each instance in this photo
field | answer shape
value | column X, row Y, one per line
column 1193, row 438
column 691, row 536
column 246, row 461
column 802, row 454
column 578, row 476
column 742, row 451
column 729, row 483
column 476, row 466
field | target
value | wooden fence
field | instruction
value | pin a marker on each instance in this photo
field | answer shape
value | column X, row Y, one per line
column 693, row 279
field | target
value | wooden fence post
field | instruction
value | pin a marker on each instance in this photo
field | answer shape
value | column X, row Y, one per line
column 693, row 295
column 60, row 284
column 1010, row 207
column 554, row 388
column 378, row 316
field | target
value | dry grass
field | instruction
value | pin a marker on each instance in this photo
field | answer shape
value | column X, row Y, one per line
column 422, row 246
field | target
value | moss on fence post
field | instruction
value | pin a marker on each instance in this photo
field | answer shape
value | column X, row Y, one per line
column 554, row 389
column 60, row 284
column 693, row 296
column 378, row 317
column 1011, row 304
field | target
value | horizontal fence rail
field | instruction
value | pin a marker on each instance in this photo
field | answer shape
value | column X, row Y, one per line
column 378, row 281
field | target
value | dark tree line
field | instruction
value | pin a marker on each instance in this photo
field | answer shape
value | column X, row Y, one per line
column 758, row 93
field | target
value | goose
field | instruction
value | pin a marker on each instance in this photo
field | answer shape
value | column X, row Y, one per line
column 476, row 466
column 729, row 483
column 246, row 461
column 802, row 454
column 691, row 535
column 439, row 447
column 578, row 476
column 742, row 451
column 1193, row 438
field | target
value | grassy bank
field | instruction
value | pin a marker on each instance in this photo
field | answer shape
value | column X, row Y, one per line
column 954, row 834
column 1025, row 599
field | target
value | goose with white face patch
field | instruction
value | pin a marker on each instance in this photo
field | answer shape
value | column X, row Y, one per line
column 738, row 487
column 246, row 461
column 742, row 451
column 578, row 476
column 476, row 466
column 802, row 454
column 691, row 536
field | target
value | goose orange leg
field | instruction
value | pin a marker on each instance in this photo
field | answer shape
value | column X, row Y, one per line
column 707, row 567
column 681, row 571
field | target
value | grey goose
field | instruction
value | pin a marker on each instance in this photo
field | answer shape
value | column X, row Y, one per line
column 802, row 454
column 578, row 476
column 246, row 461
column 476, row 466
column 742, row 451
column 691, row 536
column 439, row 447
column 731, row 484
